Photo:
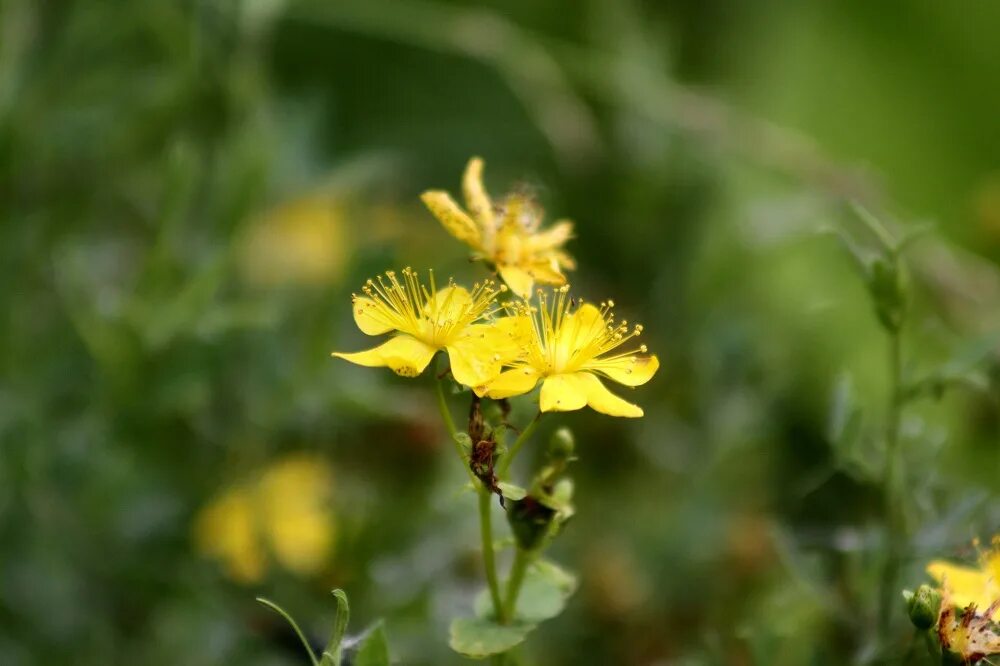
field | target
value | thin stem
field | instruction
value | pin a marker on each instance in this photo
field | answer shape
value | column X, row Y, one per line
column 449, row 423
column 489, row 558
column 891, row 486
column 517, row 570
column 516, row 446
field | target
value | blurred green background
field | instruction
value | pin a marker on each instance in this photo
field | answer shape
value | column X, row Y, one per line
column 190, row 192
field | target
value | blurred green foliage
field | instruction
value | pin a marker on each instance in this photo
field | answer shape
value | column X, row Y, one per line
column 190, row 191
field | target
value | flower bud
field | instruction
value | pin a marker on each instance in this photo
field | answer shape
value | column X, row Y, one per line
column 530, row 521
column 562, row 445
column 923, row 606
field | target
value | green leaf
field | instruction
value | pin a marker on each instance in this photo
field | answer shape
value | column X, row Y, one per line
column 333, row 653
column 544, row 594
column 479, row 638
column 373, row 650
column 511, row 491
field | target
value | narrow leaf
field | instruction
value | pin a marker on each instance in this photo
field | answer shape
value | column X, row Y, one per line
column 298, row 632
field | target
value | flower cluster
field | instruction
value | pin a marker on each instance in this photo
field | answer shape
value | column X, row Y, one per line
column 500, row 341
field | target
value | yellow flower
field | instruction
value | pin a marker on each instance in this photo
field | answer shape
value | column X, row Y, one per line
column 509, row 236
column 970, row 585
column 284, row 513
column 568, row 350
column 303, row 241
column 428, row 320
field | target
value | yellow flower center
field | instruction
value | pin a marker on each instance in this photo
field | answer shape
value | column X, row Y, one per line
column 435, row 317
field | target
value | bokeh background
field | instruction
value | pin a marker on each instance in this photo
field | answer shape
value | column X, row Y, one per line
column 190, row 191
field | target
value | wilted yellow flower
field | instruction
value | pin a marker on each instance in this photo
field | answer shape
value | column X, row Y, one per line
column 509, row 235
column 965, row 632
column 300, row 242
column 970, row 585
column 568, row 350
column 427, row 320
column 283, row 514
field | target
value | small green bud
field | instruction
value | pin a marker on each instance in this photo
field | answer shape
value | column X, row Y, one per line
column 562, row 445
column 923, row 606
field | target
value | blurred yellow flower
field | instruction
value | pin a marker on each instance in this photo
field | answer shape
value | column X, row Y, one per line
column 300, row 242
column 509, row 235
column 284, row 514
column 568, row 350
column 971, row 585
column 427, row 320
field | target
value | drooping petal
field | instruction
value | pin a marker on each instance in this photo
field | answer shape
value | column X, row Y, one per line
column 564, row 260
column 518, row 279
column 406, row 355
column 628, row 370
column 371, row 318
column 562, row 393
column 509, row 383
column 476, row 199
column 453, row 218
column 600, row 399
column 547, row 271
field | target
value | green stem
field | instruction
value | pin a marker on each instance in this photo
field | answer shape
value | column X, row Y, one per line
column 891, row 486
column 517, row 570
column 489, row 558
column 516, row 446
column 449, row 423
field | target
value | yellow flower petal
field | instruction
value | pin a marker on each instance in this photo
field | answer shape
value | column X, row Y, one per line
column 518, row 279
column 226, row 530
column 473, row 364
column 600, row 399
column 553, row 237
column 577, row 330
column 966, row 585
column 562, row 393
column 509, row 383
column 406, row 355
column 371, row 319
column 454, row 219
column 448, row 304
column 627, row 370
column 547, row 272
column 302, row 541
column 476, row 199
column 294, row 497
